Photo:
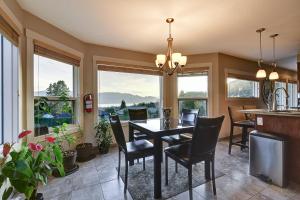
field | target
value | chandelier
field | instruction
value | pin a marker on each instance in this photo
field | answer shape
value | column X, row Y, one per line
column 171, row 61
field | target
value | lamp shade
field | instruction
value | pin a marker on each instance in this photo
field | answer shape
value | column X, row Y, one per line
column 176, row 57
column 261, row 73
column 161, row 59
column 183, row 60
column 274, row 76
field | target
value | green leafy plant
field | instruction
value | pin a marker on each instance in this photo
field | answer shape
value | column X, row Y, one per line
column 30, row 164
column 103, row 136
column 62, row 136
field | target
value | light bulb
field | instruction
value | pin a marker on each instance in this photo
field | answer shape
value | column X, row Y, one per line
column 161, row 59
column 176, row 57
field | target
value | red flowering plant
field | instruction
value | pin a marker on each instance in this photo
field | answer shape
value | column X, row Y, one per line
column 29, row 164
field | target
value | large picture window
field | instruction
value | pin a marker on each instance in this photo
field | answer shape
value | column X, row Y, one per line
column 54, row 94
column 118, row 91
column 193, row 93
column 9, row 85
column 241, row 88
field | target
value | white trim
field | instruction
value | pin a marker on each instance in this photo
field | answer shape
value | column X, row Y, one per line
column 11, row 15
column 31, row 36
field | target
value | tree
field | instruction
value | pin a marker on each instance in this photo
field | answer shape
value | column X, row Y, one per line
column 123, row 104
column 59, row 88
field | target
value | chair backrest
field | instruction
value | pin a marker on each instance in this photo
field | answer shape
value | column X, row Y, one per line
column 235, row 114
column 205, row 136
column 118, row 131
column 137, row 113
column 187, row 116
column 250, row 116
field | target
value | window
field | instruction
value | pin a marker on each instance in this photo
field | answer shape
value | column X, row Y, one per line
column 9, row 85
column 293, row 94
column 193, row 93
column 292, row 91
column 241, row 88
column 54, row 93
column 281, row 98
column 118, row 91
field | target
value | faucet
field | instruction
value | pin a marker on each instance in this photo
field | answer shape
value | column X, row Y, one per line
column 274, row 100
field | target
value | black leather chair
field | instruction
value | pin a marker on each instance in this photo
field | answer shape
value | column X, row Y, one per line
column 132, row 150
column 138, row 114
column 201, row 148
column 187, row 117
column 238, row 119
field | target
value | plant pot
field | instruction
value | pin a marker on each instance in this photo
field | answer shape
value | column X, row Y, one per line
column 104, row 149
column 69, row 160
column 36, row 196
column 85, row 152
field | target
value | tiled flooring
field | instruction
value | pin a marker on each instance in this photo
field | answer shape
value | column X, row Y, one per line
column 97, row 179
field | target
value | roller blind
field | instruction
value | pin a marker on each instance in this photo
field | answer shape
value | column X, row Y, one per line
column 119, row 67
column 242, row 76
column 8, row 31
column 48, row 51
column 192, row 70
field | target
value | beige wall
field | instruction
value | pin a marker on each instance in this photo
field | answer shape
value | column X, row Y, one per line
column 218, row 62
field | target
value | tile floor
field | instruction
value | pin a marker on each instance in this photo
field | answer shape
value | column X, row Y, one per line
column 97, row 180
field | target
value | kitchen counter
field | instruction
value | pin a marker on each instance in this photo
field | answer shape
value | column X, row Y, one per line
column 288, row 113
column 285, row 124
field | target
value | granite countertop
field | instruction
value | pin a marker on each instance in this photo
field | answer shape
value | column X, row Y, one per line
column 288, row 113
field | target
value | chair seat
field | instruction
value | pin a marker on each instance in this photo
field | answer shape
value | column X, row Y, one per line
column 176, row 139
column 137, row 135
column 245, row 123
column 139, row 148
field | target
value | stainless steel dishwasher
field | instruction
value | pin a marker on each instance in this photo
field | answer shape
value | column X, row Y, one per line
column 268, row 157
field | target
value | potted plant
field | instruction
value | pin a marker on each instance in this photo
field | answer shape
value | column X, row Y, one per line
column 85, row 151
column 69, row 155
column 103, row 136
column 26, row 165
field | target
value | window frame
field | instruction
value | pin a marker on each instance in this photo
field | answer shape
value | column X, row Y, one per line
column 194, row 98
column 243, row 78
column 286, row 85
column 73, row 98
column 31, row 37
column 135, row 71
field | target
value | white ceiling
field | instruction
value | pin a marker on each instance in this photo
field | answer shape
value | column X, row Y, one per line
column 200, row 26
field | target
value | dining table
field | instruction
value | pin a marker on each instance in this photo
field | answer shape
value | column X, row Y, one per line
column 156, row 129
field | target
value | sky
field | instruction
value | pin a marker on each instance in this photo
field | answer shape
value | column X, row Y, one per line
column 48, row 71
column 139, row 84
column 192, row 84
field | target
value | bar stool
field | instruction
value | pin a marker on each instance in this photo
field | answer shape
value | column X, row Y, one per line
column 238, row 119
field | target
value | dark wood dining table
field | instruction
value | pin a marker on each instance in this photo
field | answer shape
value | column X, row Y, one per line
column 156, row 129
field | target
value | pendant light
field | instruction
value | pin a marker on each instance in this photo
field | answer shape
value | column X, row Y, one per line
column 261, row 73
column 274, row 75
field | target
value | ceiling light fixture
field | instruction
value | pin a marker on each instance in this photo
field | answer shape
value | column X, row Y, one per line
column 261, row 73
column 274, row 75
column 171, row 61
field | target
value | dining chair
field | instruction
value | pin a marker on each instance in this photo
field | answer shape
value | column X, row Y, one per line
column 138, row 114
column 187, row 118
column 132, row 150
column 249, row 116
column 238, row 119
column 201, row 148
